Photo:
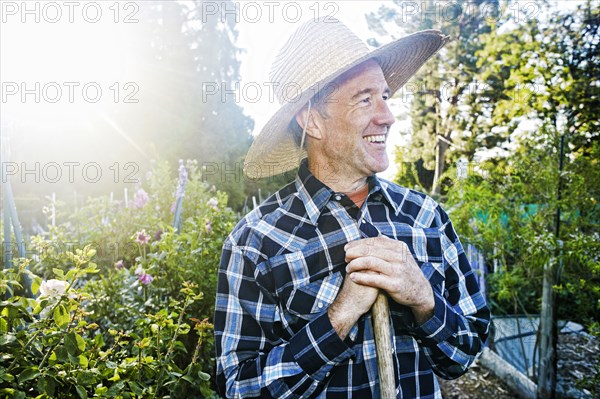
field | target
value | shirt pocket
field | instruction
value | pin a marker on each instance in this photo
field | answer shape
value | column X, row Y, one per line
column 308, row 301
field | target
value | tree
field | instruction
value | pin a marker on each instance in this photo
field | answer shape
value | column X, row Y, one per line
column 540, row 203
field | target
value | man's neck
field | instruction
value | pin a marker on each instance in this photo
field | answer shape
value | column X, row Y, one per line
column 332, row 178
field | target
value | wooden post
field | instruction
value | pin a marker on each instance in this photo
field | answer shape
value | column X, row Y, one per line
column 383, row 343
column 548, row 330
column 518, row 381
column 546, row 384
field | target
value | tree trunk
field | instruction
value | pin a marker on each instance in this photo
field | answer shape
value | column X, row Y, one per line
column 546, row 385
column 440, row 155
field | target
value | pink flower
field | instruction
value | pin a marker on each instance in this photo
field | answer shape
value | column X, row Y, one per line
column 141, row 237
column 145, row 278
column 213, row 203
column 208, row 226
column 140, row 198
column 139, row 270
column 119, row 265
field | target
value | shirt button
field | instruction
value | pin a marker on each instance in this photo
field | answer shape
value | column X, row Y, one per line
column 338, row 197
column 320, row 305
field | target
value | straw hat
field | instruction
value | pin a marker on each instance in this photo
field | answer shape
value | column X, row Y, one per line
column 318, row 52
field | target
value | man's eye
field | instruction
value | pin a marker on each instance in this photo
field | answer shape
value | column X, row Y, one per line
column 386, row 97
column 366, row 100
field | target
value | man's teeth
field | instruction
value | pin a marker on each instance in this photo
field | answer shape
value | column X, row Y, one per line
column 373, row 139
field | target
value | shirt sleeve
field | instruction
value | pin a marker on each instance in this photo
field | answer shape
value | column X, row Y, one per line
column 458, row 330
column 252, row 358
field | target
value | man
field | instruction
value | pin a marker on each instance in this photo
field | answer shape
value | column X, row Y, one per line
column 300, row 273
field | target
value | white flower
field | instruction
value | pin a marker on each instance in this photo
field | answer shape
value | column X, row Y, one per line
column 213, row 203
column 53, row 288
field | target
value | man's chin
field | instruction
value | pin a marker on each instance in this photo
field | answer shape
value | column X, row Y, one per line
column 378, row 167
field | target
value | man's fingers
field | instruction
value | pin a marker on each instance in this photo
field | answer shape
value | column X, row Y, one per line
column 398, row 255
column 381, row 247
column 369, row 264
column 378, row 242
column 374, row 280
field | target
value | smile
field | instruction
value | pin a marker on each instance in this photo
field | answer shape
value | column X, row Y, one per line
column 375, row 139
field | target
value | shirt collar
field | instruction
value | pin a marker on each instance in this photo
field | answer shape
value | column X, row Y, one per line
column 382, row 186
column 315, row 194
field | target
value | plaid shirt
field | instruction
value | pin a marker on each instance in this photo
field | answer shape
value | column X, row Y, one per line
column 283, row 265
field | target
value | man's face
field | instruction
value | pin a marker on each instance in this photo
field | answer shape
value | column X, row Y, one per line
column 357, row 122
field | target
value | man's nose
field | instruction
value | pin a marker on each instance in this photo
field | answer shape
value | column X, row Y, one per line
column 384, row 116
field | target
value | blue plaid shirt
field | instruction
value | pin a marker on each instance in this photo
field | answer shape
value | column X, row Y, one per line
column 283, row 265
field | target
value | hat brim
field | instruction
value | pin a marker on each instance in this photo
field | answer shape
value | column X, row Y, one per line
column 274, row 150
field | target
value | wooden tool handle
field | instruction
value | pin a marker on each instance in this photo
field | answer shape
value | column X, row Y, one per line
column 383, row 343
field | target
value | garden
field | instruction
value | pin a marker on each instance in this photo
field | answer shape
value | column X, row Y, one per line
column 114, row 211
column 127, row 314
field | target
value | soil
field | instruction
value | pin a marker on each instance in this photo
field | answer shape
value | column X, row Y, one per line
column 477, row 383
column 578, row 362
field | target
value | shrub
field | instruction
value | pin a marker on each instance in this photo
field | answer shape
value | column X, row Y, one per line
column 53, row 348
column 132, row 322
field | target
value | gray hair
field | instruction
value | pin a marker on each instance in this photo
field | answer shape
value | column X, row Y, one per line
column 319, row 103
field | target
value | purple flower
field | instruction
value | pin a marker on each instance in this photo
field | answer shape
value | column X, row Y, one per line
column 157, row 235
column 183, row 176
column 140, row 198
column 141, row 237
column 213, row 203
column 119, row 265
column 173, row 205
column 208, row 226
column 145, row 278
column 139, row 270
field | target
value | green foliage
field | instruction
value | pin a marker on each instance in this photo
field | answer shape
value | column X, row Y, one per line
column 53, row 348
column 510, row 214
column 125, row 297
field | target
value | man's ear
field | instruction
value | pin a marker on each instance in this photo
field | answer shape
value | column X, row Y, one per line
column 312, row 125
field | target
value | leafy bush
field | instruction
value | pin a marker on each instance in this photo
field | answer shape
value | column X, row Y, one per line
column 508, row 210
column 134, row 322
column 53, row 348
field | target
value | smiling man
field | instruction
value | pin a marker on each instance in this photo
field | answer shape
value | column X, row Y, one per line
column 300, row 273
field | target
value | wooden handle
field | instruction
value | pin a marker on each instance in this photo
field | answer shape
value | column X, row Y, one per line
column 383, row 343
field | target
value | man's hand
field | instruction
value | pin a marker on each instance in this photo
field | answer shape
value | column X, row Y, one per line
column 387, row 264
column 352, row 301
